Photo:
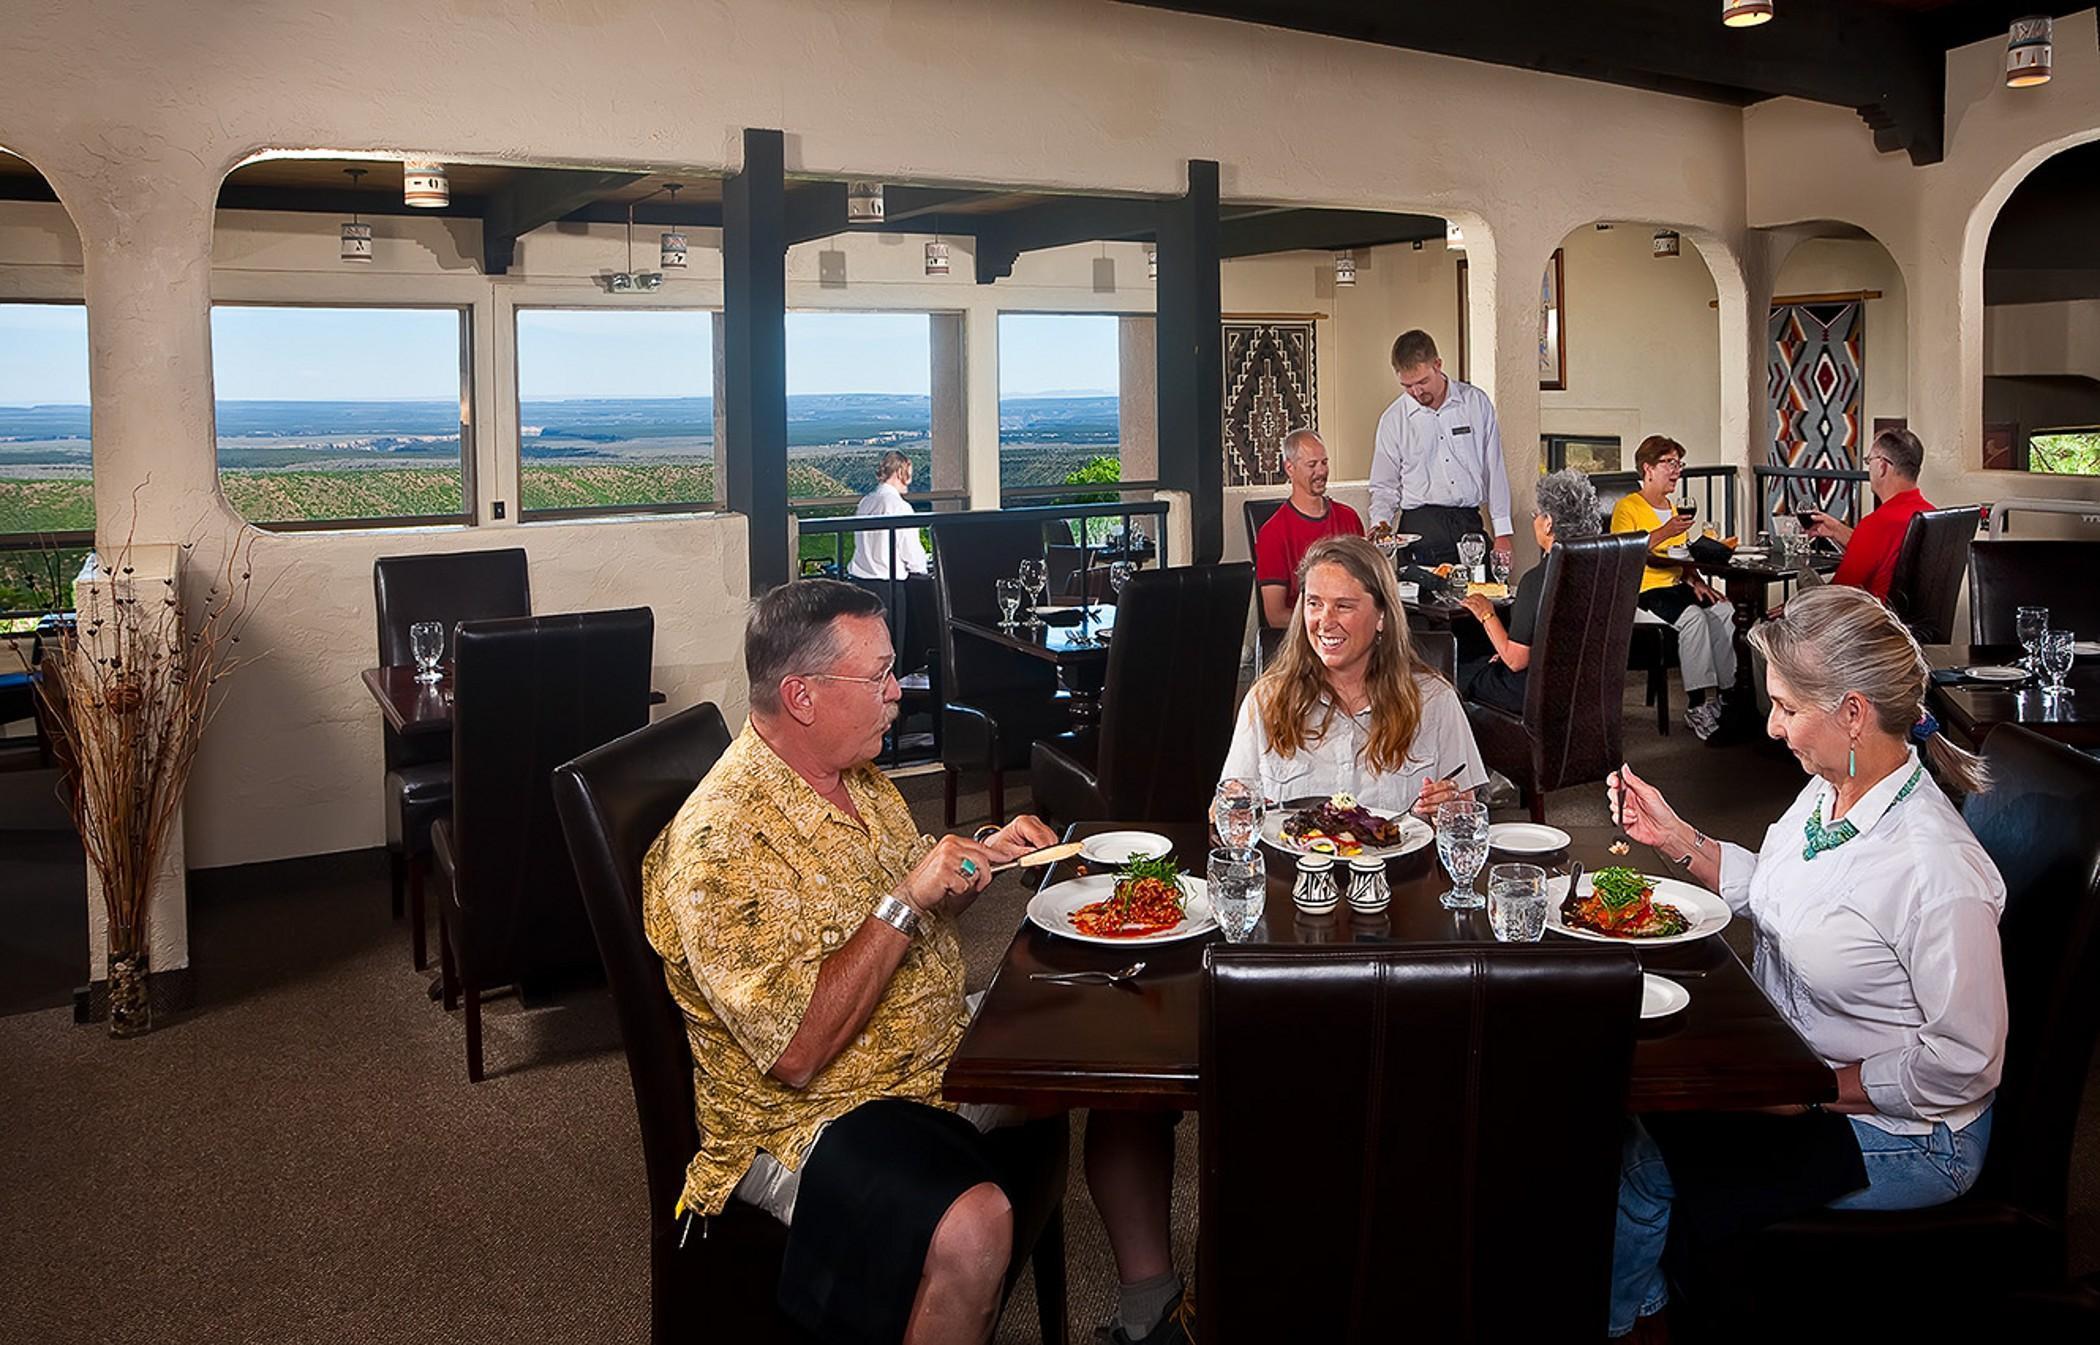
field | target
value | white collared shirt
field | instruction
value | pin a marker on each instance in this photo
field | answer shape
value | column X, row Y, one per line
column 1451, row 455
column 1884, row 950
column 871, row 550
column 1443, row 741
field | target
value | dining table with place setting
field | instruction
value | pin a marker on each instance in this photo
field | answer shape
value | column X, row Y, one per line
column 1976, row 688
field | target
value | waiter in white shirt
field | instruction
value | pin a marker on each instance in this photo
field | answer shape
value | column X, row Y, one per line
column 884, row 558
column 1438, row 457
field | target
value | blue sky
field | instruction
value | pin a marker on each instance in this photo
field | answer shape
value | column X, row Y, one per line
column 365, row 354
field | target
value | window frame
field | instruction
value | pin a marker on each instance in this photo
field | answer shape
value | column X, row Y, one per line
column 71, row 537
column 2027, row 452
column 1053, row 493
column 469, row 493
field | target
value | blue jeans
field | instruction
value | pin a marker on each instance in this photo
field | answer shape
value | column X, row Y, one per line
column 1904, row 1172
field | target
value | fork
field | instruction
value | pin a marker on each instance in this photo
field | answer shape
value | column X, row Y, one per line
column 1117, row 977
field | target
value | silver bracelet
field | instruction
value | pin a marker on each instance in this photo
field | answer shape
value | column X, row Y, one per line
column 898, row 915
column 1699, row 843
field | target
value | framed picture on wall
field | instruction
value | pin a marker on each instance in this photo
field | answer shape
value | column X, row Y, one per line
column 1465, row 331
column 1553, row 327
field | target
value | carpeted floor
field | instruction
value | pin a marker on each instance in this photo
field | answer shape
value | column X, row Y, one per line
column 301, row 1157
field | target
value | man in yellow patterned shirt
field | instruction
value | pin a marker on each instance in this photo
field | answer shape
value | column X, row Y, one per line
column 808, row 934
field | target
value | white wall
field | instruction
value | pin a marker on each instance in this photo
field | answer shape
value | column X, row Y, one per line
column 2054, row 338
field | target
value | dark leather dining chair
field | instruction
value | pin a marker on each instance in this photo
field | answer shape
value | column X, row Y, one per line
column 529, row 693
column 1926, row 585
column 1266, row 637
column 2005, row 576
column 1414, row 1143
column 1574, row 691
column 2006, row 1235
column 614, row 801
column 448, row 588
column 1166, row 704
column 997, row 701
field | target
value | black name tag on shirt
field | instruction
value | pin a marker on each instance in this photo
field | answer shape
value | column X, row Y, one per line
column 1461, row 429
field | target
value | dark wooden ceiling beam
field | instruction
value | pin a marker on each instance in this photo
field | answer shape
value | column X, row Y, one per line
column 656, row 212
column 536, row 196
column 902, row 203
column 1002, row 238
column 1320, row 230
column 815, row 210
column 342, row 201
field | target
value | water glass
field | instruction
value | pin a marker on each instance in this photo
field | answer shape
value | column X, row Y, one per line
column 1472, row 549
column 2030, row 624
column 1009, row 591
column 1517, row 902
column 1239, row 889
column 1035, row 578
column 426, row 640
column 1236, row 811
column 1462, row 845
column 2056, row 658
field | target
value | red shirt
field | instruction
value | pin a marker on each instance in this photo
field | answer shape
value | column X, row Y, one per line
column 1288, row 535
column 1870, row 557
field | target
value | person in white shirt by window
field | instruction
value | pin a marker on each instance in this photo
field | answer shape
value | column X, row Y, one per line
column 1874, row 912
column 1437, row 458
column 871, row 549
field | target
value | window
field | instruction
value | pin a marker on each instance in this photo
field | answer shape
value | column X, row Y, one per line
column 860, row 385
column 1059, row 399
column 46, row 460
column 616, row 409
column 341, row 415
column 2067, row 452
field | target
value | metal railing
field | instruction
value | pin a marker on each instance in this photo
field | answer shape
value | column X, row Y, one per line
column 1836, row 491
column 60, row 578
column 1714, row 487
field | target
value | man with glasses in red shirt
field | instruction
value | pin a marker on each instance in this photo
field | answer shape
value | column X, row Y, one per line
column 1893, row 464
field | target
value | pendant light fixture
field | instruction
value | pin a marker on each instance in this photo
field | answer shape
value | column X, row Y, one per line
column 1344, row 270
column 631, row 281
column 936, row 256
column 424, row 184
column 864, row 203
column 357, row 237
column 670, row 245
column 1151, row 263
column 2028, row 52
column 1667, row 244
column 1454, row 237
column 1746, row 13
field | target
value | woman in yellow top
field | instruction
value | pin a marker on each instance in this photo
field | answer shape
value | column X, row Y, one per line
column 1704, row 620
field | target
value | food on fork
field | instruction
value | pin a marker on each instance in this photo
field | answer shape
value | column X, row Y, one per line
column 1147, row 900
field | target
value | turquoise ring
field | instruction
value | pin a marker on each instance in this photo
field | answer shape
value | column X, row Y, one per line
column 969, row 868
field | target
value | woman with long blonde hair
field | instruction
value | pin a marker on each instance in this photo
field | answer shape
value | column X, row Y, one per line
column 1346, row 707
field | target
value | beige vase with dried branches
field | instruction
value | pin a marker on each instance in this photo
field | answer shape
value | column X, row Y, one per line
column 129, row 691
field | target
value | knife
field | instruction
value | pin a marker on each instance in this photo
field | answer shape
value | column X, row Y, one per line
column 1035, row 859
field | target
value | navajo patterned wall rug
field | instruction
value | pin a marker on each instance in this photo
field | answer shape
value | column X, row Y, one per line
column 1271, row 388
column 1815, row 374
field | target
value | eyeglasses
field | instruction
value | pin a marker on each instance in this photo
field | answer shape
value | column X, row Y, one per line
column 879, row 683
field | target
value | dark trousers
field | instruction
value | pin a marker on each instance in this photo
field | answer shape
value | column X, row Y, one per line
column 1440, row 526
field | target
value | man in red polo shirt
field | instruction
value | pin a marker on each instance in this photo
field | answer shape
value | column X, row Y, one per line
column 1304, row 518
column 1893, row 464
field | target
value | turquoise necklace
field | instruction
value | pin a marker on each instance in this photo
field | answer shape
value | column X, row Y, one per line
column 1830, row 836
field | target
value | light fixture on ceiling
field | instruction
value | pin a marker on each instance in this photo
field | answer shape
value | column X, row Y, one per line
column 864, row 203
column 1667, row 244
column 1454, row 237
column 631, row 281
column 1344, row 270
column 424, row 184
column 670, row 245
column 1416, row 245
column 936, row 257
column 1603, row 226
column 1746, row 13
column 2028, row 51
column 1151, row 263
column 357, row 237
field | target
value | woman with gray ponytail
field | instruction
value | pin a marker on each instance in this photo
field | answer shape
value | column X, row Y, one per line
column 1874, row 912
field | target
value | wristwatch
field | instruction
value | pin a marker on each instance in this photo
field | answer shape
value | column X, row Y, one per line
column 898, row 915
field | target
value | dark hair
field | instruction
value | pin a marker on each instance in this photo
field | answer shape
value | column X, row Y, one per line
column 793, row 629
column 1903, row 450
column 1413, row 349
column 1653, row 449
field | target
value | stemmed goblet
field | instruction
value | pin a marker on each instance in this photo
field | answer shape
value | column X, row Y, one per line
column 1035, row 578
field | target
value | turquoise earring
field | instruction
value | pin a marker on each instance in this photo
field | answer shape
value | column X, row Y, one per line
column 1852, row 762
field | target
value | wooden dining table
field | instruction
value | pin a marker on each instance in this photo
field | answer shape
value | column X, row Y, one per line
column 1972, row 709
column 1078, row 649
column 1038, row 1043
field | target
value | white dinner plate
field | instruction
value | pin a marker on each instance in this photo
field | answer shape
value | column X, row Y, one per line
column 1526, row 838
column 1679, row 553
column 1052, row 909
column 1414, row 834
column 1410, row 592
column 1707, row 912
column 1995, row 673
column 1396, row 541
column 2085, row 648
column 1661, row 996
column 1120, row 847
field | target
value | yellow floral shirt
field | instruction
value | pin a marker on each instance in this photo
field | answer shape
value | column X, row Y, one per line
column 755, row 882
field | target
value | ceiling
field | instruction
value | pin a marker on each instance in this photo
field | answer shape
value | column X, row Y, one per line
column 1885, row 59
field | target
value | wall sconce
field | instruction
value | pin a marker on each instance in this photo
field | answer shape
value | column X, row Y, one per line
column 1746, row 13
column 1344, row 270
column 863, row 203
column 357, row 238
column 2028, row 52
column 1667, row 243
column 670, row 245
column 424, row 184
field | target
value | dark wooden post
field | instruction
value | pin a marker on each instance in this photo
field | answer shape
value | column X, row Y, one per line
column 1192, row 359
column 754, row 358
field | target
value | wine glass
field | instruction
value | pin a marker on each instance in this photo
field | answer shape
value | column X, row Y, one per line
column 2030, row 624
column 1237, row 811
column 1462, row 845
column 1471, row 549
column 426, row 641
column 1119, row 572
column 1009, row 591
column 1035, row 578
column 1239, row 889
column 1517, row 902
column 1500, row 563
column 2057, row 655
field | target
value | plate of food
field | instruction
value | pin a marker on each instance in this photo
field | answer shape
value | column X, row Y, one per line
column 1391, row 542
column 1146, row 901
column 1120, row 847
column 1622, row 905
column 1339, row 825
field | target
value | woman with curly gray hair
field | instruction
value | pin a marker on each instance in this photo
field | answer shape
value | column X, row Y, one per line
column 1567, row 509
